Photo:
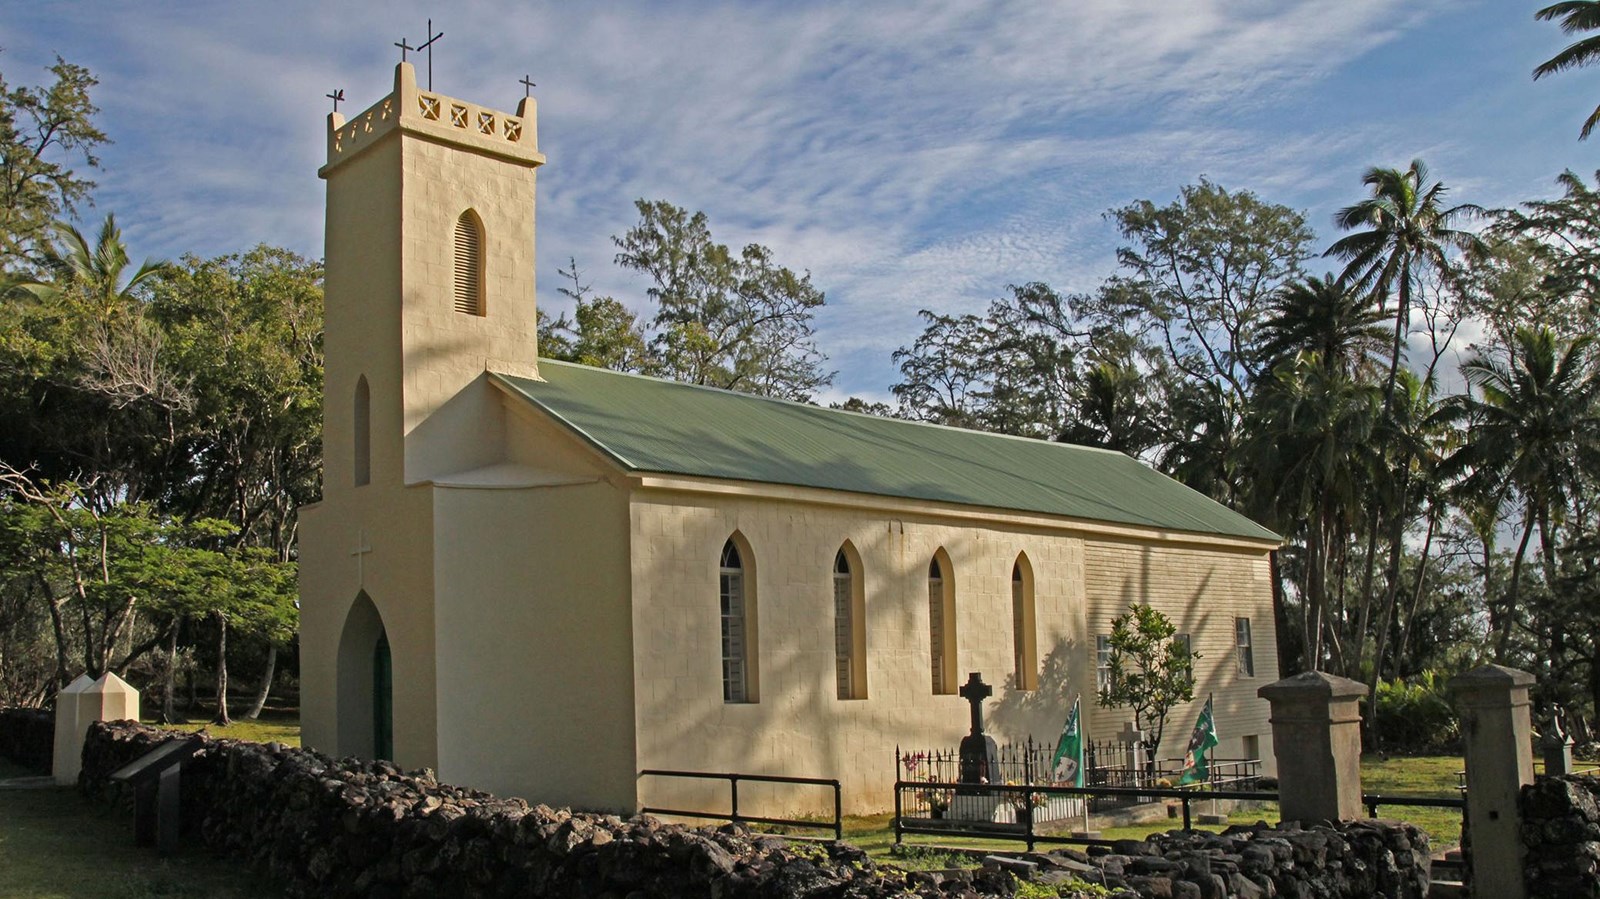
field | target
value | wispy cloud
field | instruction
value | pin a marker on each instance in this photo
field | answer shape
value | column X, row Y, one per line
column 909, row 155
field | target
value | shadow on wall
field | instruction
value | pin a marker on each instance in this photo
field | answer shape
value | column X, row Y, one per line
column 1040, row 713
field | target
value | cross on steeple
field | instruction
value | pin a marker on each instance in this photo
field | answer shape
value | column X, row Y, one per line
column 336, row 96
column 527, row 85
column 363, row 546
column 976, row 691
column 404, row 48
column 428, row 46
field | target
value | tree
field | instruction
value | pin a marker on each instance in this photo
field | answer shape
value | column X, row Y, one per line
column 1545, row 264
column 41, row 131
column 1409, row 232
column 1201, row 273
column 1533, row 431
column 1322, row 316
column 736, row 321
column 1151, row 670
column 602, row 332
column 1576, row 16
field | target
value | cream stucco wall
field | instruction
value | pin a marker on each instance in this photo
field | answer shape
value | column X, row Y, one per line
column 1202, row 591
column 399, row 175
column 799, row 726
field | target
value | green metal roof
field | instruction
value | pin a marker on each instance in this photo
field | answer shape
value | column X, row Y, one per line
column 651, row 425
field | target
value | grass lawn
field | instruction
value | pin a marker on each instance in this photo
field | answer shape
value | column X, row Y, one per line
column 272, row 727
column 54, row 844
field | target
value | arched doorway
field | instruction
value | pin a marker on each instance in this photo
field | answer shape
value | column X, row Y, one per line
column 366, row 684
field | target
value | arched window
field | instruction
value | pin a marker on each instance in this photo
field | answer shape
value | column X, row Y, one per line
column 469, row 264
column 849, row 625
column 361, row 426
column 942, row 623
column 1024, row 630
column 738, row 624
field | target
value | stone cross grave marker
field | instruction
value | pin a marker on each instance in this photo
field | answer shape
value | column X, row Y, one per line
column 980, row 757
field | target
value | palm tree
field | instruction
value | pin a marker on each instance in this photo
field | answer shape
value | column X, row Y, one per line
column 1322, row 316
column 1312, row 452
column 1575, row 16
column 1534, row 430
column 1409, row 233
column 95, row 273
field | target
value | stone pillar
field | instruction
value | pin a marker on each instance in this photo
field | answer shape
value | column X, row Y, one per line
column 108, row 699
column 1316, row 735
column 1497, row 730
column 68, row 752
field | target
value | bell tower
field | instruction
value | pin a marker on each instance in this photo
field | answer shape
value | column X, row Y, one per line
column 430, row 281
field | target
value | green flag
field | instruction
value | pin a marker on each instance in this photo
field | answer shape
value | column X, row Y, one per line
column 1068, row 762
column 1197, row 767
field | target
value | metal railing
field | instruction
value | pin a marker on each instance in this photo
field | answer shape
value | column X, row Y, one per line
column 926, row 796
column 1024, row 797
column 836, row 825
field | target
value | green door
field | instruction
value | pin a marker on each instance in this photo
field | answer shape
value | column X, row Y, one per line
column 382, row 700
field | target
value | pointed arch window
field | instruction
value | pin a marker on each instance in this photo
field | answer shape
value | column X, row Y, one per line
column 1024, row 630
column 736, row 588
column 469, row 264
column 361, row 432
column 942, row 624
column 849, row 625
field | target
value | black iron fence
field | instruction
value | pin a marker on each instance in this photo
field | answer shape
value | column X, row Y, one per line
column 733, row 813
column 1016, row 811
column 1107, row 763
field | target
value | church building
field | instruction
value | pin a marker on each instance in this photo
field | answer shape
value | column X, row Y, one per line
column 540, row 579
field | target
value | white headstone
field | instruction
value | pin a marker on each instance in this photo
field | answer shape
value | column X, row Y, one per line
column 68, row 752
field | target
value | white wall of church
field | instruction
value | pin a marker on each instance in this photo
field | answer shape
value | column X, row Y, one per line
column 536, row 698
column 799, row 726
column 1202, row 591
column 394, row 524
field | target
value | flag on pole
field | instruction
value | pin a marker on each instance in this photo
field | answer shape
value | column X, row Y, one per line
column 1068, row 762
column 1197, row 767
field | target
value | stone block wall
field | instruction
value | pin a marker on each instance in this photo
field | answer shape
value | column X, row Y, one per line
column 1561, row 831
column 335, row 828
column 27, row 737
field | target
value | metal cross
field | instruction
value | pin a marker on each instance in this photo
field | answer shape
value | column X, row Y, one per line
column 527, row 85
column 404, row 47
column 428, row 46
column 336, row 96
column 360, row 552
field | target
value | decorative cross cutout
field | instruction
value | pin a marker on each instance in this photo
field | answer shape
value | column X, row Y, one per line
column 976, row 691
column 336, row 96
column 404, row 48
column 428, row 46
column 527, row 85
column 363, row 546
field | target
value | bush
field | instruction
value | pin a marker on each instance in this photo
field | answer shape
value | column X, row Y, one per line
column 1416, row 716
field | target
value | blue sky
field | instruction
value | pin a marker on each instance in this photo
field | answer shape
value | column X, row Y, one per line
column 909, row 155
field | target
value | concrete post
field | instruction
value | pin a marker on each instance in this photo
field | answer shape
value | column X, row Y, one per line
column 108, row 699
column 1316, row 735
column 1497, row 730
column 65, row 758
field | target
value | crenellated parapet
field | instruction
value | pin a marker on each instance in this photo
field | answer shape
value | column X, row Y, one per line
column 436, row 117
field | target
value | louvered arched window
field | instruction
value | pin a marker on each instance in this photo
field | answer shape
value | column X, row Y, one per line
column 1024, row 628
column 942, row 623
column 469, row 264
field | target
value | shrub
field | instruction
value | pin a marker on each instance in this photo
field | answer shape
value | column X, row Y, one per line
column 1415, row 715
